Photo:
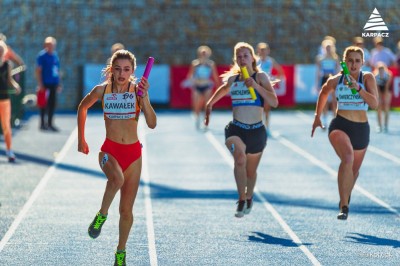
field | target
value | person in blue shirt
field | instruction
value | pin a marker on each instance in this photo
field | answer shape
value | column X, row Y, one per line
column 349, row 130
column 245, row 135
column 48, row 78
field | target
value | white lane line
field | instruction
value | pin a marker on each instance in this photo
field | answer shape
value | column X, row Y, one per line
column 39, row 188
column 371, row 148
column 332, row 173
column 229, row 160
column 147, row 200
column 384, row 154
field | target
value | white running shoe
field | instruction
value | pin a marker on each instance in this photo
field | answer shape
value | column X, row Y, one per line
column 241, row 208
column 11, row 156
column 249, row 206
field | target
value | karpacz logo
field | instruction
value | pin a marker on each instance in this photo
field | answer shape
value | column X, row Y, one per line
column 375, row 24
column 127, row 95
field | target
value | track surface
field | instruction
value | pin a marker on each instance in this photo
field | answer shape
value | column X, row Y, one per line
column 184, row 211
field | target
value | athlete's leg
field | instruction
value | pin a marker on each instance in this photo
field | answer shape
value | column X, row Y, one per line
column 196, row 95
column 51, row 105
column 253, row 160
column 358, row 159
column 342, row 145
column 379, row 110
column 115, row 179
column 238, row 150
column 386, row 108
column 128, row 195
column 5, row 119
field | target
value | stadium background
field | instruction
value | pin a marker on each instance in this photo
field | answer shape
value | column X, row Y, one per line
column 171, row 31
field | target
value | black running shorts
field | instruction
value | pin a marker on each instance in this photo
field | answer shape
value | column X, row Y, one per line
column 254, row 136
column 358, row 132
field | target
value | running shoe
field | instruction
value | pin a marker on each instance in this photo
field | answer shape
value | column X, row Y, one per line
column 249, row 206
column 344, row 212
column 240, row 208
column 11, row 156
column 120, row 258
column 348, row 201
column 95, row 227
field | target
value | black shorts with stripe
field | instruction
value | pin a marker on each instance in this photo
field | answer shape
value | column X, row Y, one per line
column 254, row 136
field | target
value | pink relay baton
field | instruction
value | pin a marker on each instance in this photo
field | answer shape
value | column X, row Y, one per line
column 146, row 73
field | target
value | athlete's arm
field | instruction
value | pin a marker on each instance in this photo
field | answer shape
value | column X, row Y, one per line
column 264, row 88
column 144, row 103
column 388, row 82
column 327, row 89
column 218, row 94
column 85, row 104
column 215, row 75
column 370, row 94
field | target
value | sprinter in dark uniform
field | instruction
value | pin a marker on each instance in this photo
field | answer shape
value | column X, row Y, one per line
column 245, row 135
column 349, row 130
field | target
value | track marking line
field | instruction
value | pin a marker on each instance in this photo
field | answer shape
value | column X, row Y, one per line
column 371, row 148
column 332, row 173
column 229, row 160
column 145, row 177
column 38, row 189
column 384, row 154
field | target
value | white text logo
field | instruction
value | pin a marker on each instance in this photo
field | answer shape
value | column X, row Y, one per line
column 375, row 25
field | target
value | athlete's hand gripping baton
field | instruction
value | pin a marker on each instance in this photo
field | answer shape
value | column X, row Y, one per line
column 346, row 73
column 251, row 89
column 146, row 73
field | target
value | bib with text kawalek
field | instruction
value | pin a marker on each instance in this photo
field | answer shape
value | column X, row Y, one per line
column 120, row 105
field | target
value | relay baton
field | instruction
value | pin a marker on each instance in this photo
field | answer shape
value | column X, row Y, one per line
column 251, row 89
column 146, row 73
column 346, row 73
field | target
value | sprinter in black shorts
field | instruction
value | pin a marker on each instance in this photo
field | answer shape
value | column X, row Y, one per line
column 245, row 136
column 349, row 130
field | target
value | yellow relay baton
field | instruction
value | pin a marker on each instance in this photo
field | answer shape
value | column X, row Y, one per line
column 251, row 89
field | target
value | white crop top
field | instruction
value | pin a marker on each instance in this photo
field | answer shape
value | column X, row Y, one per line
column 345, row 97
column 120, row 105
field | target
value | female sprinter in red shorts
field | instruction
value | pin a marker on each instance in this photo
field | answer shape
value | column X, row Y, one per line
column 120, row 156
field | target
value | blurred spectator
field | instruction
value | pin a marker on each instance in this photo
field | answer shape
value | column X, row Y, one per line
column 267, row 63
column 202, row 76
column 359, row 42
column 115, row 47
column 321, row 49
column 5, row 103
column 398, row 58
column 10, row 54
column 48, row 78
column 382, row 54
column 327, row 65
column 383, row 77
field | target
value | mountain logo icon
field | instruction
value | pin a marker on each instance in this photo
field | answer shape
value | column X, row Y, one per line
column 375, row 22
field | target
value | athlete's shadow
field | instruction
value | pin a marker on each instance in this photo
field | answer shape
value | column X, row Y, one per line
column 162, row 191
column 372, row 240
column 22, row 157
column 268, row 239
